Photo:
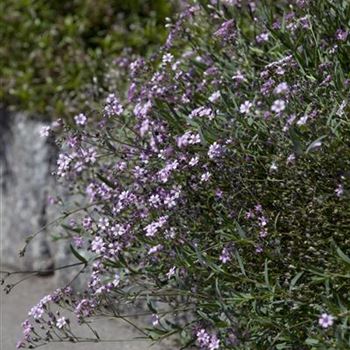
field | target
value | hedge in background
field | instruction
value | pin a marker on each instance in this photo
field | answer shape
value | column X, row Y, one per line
column 54, row 53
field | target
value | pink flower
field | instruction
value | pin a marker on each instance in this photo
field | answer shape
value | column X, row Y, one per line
column 225, row 256
column 203, row 337
column 215, row 96
column 37, row 311
column 20, row 344
column 98, row 245
column 339, row 191
column 112, row 107
column 341, row 35
column 278, row 106
column 245, row 107
column 205, row 177
column 326, row 320
column 281, row 88
column 155, row 320
column 214, row 343
column 215, row 150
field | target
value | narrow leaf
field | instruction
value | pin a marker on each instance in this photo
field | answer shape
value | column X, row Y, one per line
column 343, row 256
column 78, row 256
column 239, row 259
column 240, row 231
column 315, row 144
column 295, row 280
column 266, row 274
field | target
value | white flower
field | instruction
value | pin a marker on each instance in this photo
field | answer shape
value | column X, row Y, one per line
column 36, row 311
column 340, row 111
column 291, row 158
column 339, row 191
column 278, row 106
column 205, row 177
column 155, row 320
column 193, row 161
column 46, row 299
column 171, row 272
column 215, row 96
column 239, row 77
column 155, row 249
column 61, row 322
column 262, row 38
column 273, row 166
column 80, row 119
column 98, row 245
column 167, row 58
column 245, row 107
column 45, row 131
column 214, row 344
column 175, row 65
column 116, row 280
column 303, row 120
column 280, row 71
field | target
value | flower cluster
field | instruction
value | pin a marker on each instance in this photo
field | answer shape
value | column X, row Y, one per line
column 48, row 325
column 207, row 341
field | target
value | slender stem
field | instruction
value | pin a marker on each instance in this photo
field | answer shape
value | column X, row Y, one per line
column 64, row 216
column 41, row 271
column 117, row 315
column 89, row 340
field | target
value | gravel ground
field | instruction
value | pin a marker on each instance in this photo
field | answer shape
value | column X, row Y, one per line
column 15, row 306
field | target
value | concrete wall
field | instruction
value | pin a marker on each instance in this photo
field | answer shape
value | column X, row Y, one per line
column 26, row 163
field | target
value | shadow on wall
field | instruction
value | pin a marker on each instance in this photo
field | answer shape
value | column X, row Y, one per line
column 26, row 163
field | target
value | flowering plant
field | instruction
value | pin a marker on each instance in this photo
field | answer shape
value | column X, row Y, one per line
column 218, row 187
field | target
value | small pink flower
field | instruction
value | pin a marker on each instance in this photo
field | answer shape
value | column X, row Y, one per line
column 339, row 191
column 225, row 256
column 245, row 107
column 155, row 320
column 281, row 88
column 20, row 344
column 278, row 106
column 215, row 96
column 262, row 38
column 341, row 35
column 326, row 320
column 205, row 177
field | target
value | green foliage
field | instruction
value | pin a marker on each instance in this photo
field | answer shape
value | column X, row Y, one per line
column 54, row 53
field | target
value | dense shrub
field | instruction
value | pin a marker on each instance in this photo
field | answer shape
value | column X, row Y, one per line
column 220, row 189
column 55, row 53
